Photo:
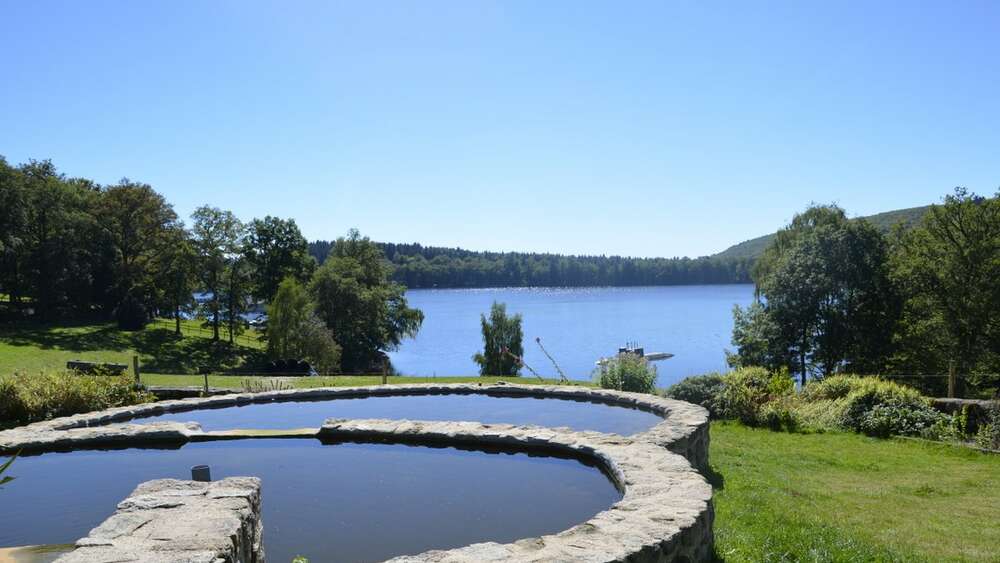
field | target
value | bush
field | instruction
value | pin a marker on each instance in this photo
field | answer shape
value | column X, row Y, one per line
column 704, row 390
column 747, row 390
column 989, row 430
column 883, row 408
column 830, row 388
column 780, row 414
column 627, row 372
column 31, row 398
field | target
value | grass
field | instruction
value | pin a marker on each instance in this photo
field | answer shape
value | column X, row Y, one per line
column 169, row 360
column 34, row 348
column 845, row 497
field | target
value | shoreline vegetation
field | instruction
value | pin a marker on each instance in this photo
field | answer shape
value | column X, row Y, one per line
column 426, row 267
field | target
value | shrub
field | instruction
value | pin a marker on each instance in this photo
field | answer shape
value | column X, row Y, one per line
column 780, row 414
column 30, row 398
column 883, row 408
column 900, row 420
column 830, row 388
column 946, row 429
column 989, row 430
column 627, row 372
column 704, row 390
column 747, row 390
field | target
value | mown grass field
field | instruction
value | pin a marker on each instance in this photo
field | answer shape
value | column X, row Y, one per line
column 33, row 347
column 845, row 497
column 169, row 360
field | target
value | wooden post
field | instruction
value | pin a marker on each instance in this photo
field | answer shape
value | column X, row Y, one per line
column 135, row 368
column 206, row 383
column 952, row 380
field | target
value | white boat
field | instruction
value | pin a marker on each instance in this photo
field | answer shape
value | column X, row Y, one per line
column 638, row 351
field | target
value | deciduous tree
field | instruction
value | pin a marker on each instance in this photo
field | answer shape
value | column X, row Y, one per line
column 367, row 313
column 950, row 265
column 216, row 235
column 503, row 342
column 275, row 250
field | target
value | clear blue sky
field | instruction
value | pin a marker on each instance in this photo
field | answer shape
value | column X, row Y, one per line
column 661, row 128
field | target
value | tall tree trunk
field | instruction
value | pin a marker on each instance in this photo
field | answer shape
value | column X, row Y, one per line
column 215, row 321
column 177, row 318
column 802, row 359
column 232, row 305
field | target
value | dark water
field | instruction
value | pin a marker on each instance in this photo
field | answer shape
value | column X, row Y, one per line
column 343, row 502
column 578, row 415
column 578, row 326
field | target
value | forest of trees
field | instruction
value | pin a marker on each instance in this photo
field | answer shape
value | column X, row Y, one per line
column 418, row 266
column 840, row 295
column 73, row 249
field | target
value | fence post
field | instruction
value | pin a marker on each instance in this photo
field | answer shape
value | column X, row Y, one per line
column 135, row 368
column 952, row 380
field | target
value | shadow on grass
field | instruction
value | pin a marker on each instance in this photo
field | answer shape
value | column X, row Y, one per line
column 714, row 478
column 82, row 337
column 168, row 353
column 159, row 348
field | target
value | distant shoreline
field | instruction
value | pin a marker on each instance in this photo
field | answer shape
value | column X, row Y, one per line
column 581, row 286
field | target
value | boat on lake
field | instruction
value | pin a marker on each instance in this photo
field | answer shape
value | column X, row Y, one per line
column 636, row 350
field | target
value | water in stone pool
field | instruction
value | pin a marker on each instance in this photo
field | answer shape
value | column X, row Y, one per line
column 578, row 415
column 578, row 326
column 337, row 502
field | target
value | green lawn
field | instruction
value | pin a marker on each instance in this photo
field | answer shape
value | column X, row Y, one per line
column 170, row 360
column 845, row 497
column 33, row 348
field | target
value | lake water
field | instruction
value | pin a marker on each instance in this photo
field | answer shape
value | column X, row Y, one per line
column 335, row 502
column 578, row 326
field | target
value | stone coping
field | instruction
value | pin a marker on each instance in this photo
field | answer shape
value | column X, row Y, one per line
column 167, row 520
column 684, row 429
column 665, row 512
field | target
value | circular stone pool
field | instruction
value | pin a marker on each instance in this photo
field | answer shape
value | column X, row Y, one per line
column 369, row 495
column 551, row 412
column 678, row 426
column 334, row 502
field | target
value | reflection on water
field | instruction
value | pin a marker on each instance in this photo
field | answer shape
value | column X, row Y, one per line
column 342, row 502
column 578, row 415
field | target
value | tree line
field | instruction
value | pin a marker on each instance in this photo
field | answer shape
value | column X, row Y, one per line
column 72, row 248
column 418, row 266
column 838, row 295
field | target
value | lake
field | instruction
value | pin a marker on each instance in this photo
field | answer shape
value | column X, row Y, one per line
column 578, row 326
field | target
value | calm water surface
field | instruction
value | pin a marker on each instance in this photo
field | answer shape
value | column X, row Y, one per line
column 578, row 415
column 343, row 502
column 578, row 326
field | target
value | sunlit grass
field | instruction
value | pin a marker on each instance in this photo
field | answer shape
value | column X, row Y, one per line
column 845, row 497
column 34, row 348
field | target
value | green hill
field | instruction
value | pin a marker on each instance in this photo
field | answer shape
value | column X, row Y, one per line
column 755, row 247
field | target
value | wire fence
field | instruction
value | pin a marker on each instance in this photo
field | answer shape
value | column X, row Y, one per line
column 962, row 386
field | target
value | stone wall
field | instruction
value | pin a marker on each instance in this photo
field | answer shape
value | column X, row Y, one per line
column 684, row 429
column 665, row 513
column 170, row 520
